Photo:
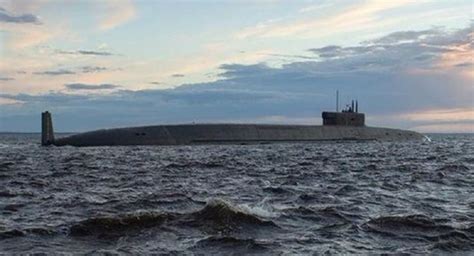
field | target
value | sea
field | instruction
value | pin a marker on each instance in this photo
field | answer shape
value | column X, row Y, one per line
column 329, row 198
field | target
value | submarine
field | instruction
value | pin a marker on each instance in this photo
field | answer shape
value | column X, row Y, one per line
column 345, row 125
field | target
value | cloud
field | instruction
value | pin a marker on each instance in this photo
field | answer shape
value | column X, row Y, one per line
column 87, row 52
column 406, row 36
column 56, row 72
column 446, row 127
column 6, row 78
column 92, row 69
column 447, row 115
column 290, row 56
column 24, row 18
column 117, row 13
column 418, row 50
column 22, row 28
column 23, row 6
column 6, row 101
column 61, row 72
column 20, row 36
column 465, row 65
column 95, row 53
column 177, row 75
column 156, row 83
column 316, row 7
column 358, row 16
column 407, row 82
column 80, row 86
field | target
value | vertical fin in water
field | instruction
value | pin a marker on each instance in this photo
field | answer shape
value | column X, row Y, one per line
column 47, row 132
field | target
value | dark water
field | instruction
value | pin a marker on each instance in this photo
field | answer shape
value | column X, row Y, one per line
column 281, row 199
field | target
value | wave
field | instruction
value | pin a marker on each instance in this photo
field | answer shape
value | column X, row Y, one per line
column 422, row 227
column 5, row 166
column 19, row 233
column 346, row 190
column 7, row 193
column 237, row 245
column 107, row 226
column 327, row 217
column 406, row 225
column 195, row 164
column 454, row 168
column 217, row 216
column 223, row 216
column 276, row 190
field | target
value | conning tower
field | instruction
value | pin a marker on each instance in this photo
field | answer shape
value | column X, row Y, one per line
column 47, row 132
column 349, row 116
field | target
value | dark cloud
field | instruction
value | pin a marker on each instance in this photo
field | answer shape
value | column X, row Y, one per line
column 6, row 78
column 385, row 78
column 80, row 86
column 465, row 65
column 289, row 56
column 86, row 52
column 177, row 75
column 58, row 72
column 396, row 48
column 406, row 36
column 95, row 53
column 24, row 18
column 84, row 69
column 92, row 69
column 400, row 50
column 155, row 83
column 52, row 97
column 238, row 70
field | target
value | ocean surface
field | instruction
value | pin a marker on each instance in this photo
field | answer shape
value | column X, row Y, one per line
column 273, row 199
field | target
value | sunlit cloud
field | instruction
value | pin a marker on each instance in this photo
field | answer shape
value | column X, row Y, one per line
column 86, row 52
column 358, row 15
column 459, row 59
column 316, row 7
column 7, row 101
column 23, row 6
column 20, row 36
column 81, row 86
column 117, row 13
column 446, row 115
column 92, row 69
column 58, row 72
column 446, row 128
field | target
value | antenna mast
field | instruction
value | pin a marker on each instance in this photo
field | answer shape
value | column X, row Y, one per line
column 337, row 100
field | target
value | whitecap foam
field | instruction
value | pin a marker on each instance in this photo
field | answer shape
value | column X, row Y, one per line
column 262, row 209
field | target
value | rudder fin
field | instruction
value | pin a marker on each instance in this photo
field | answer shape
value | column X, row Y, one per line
column 47, row 132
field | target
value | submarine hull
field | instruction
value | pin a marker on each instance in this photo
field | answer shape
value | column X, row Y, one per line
column 190, row 134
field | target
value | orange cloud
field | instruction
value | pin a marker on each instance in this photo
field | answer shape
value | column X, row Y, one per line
column 445, row 128
column 350, row 18
column 23, row 36
column 6, row 101
column 459, row 59
column 446, row 115
column 118, row 12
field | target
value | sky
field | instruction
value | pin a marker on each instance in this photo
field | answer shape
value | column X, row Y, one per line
column 116, row 63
